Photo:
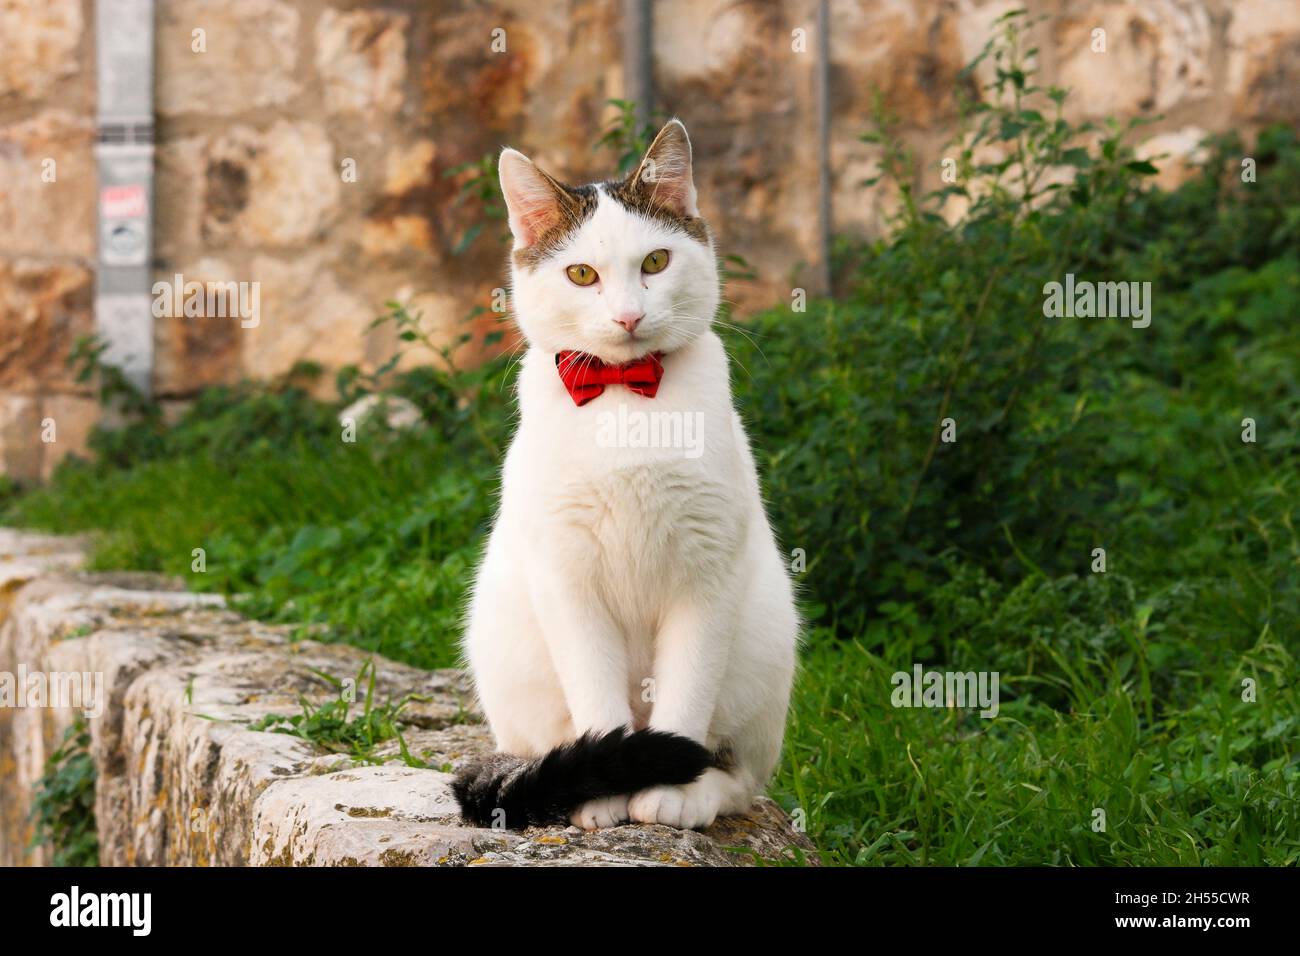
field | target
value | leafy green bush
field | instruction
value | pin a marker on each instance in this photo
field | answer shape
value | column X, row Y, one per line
column 63, row 805
column 1056, row 420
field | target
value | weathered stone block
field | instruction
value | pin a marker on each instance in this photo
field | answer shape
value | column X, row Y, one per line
column 1263, row 68
column 44, row 307
column 248, row 58
column 193, row 352
column 271, row 187
column 484, row 61
column 20, row 444
column 396, row 235
column 72, row 418
column 696, row 39
column 361, row 57
column 39, row 41
column 47, row 186
column 180, row 194
column 409, row 167
column 307, row 315
column 1157, row 55
column 910, row 52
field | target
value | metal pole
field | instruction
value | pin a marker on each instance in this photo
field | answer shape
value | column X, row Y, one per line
column 638, row 58
column 823, row 94
column 123, row 300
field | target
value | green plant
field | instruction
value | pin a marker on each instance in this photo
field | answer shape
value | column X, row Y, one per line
column 137, row 419
column 63, row 802
column 461, row 384
column 479, row 187
column 332, row 726
column 112, row 386
column 626, row 137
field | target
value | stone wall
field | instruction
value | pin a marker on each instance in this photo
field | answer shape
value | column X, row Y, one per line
column 257, row 133
column 181, row 779
column 47, row 229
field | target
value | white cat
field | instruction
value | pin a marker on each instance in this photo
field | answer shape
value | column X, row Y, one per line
column 632, row 632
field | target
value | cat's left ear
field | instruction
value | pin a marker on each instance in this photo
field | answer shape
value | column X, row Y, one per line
column 664, row 176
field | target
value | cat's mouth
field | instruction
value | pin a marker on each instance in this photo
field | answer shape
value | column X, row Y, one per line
column 627, row 346
column 630, row 348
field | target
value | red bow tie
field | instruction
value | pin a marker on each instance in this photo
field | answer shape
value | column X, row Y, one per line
column 586, row 376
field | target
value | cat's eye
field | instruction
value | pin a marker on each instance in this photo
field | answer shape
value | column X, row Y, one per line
column 655, row 262
column 581, row 274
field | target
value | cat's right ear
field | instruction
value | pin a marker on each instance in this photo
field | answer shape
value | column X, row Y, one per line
column 535, row 201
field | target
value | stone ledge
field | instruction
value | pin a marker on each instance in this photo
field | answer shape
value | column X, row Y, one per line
column 182, row 780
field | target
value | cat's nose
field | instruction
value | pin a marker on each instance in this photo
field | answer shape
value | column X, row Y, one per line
column 630, row 320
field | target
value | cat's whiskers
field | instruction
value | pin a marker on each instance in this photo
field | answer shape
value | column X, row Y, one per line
column 515, row 356
column 749, row 334
column 693, row 335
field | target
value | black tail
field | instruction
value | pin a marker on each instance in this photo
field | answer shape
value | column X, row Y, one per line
column 549, row 788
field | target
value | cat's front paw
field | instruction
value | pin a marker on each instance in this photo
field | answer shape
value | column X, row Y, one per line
column 692, row 807
column 602, row 812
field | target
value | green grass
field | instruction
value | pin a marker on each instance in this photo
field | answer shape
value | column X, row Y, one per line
column 375, row 539
column 1211, row 780
column 333, row 726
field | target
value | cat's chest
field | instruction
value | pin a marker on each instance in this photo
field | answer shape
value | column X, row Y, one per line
column 649, row 489
column 659, row 518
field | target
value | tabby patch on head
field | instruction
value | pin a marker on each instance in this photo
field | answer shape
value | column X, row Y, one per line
column 617, row 268
column 545, row 211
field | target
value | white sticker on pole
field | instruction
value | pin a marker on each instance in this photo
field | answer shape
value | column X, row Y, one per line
column 123, row 202
column 124, row 225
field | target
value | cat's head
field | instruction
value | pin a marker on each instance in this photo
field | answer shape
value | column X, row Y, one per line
column 617, row 269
